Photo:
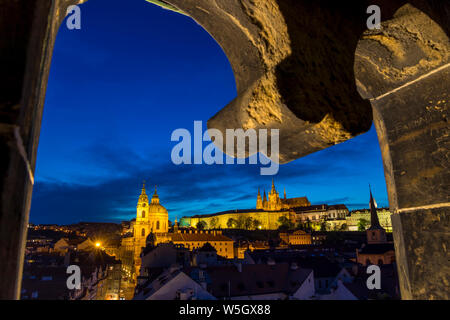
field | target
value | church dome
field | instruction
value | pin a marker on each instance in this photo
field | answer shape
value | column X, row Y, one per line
column 155, row 206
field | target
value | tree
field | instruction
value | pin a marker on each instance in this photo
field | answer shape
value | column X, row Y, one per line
column 344, row 227
column 231, row 223
column 285, row 223
column 240, row 223
column 323, row 226
column 362, row 224
column 308, row 225
column 257, row 224
column 248, row 223
column 201, row 225
column 301, row 225
column 214, row 222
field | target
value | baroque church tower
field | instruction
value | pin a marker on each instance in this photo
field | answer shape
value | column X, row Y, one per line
column 151, row 218
column 141, row 227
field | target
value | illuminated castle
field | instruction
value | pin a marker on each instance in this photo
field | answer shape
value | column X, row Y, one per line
column 275, row 203
column 266, row 215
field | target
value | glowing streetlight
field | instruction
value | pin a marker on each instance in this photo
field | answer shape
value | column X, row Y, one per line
column 98, row 244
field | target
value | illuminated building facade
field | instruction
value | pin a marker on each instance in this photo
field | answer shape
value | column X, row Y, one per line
column 269, row 208
column 152, row 221
column 298, row 237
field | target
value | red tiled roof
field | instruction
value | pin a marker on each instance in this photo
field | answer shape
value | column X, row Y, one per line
column 255, row 279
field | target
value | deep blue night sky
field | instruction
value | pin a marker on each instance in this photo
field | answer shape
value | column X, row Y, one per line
column 119, row 87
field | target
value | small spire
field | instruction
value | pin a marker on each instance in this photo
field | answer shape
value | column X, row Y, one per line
column 155, row 197
column 285, row 193
column 374, row 222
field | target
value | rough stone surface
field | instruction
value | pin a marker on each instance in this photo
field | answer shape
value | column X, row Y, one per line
column 301, row 54
column 297, row 89
column 15, row 197
column 415, row 142
column 408, row 46
column 421, row 241
column 404, row 69
column 27, row 34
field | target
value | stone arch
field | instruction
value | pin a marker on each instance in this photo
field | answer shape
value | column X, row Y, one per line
column 270, row 44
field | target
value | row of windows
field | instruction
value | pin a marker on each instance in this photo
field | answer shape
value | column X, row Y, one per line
column 200, row 244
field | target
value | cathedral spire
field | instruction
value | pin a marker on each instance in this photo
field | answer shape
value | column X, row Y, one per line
column 259, row 204
column 284, row 193
column 374, row 222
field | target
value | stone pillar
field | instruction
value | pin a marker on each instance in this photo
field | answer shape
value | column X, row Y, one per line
column 15, row 188
column 413, row 130
column 404, row 70
column 27, row 34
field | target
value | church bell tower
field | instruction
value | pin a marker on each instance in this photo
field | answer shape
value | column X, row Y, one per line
column 376, row 233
